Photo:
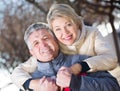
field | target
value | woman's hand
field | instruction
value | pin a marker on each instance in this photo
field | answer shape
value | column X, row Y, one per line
column 63, row 77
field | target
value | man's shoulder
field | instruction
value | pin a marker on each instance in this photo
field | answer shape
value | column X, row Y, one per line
column 31, row 59
column 30, row 65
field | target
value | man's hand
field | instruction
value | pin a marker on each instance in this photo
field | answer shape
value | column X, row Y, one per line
column 63, row 77
column 43, row 84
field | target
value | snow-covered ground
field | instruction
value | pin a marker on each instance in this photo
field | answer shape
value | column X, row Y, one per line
column 5, row 82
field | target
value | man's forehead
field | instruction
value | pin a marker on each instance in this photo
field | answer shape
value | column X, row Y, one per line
column 40, row 33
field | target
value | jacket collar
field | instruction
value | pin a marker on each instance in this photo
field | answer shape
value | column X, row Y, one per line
column 57, row 60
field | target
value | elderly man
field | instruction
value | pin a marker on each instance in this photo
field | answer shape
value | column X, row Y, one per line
column 48, row 69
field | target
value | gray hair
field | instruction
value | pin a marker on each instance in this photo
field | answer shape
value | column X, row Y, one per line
column 35, row 27
column 63, row 10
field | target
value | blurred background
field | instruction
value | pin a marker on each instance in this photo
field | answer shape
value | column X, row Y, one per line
column 17, row 15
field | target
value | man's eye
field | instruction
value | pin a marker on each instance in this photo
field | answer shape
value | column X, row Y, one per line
column 45, row 37
column 36, row 43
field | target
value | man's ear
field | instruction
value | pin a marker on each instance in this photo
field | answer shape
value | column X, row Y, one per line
column 31, row 52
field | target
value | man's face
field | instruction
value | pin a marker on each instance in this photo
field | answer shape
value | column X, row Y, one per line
column 44, row 46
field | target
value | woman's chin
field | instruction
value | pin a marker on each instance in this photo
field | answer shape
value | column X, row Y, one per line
column 68, row 43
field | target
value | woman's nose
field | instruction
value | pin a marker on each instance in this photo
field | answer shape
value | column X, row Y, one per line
column 65, row 30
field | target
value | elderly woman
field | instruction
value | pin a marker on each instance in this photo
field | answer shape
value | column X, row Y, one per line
column 76, row 38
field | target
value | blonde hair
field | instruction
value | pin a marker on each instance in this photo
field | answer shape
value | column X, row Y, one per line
column 63, row 10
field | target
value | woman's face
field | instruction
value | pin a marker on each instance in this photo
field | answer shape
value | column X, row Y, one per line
column 65, row 30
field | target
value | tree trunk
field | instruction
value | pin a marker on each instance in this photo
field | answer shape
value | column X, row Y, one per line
column 111, row 19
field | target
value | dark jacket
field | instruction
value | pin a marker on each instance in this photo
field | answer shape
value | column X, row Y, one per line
column 50, row 69
column 97, row 81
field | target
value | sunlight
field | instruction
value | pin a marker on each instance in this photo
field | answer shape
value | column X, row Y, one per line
column 103, row 29
column 11, row 87
column 109, row 28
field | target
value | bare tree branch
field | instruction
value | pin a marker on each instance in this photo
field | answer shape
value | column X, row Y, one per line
column 37, row 5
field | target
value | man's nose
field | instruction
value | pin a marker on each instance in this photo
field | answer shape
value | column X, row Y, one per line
column 42, row 44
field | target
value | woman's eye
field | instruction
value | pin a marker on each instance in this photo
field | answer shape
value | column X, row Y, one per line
column 69, row 24
column 57, row 29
